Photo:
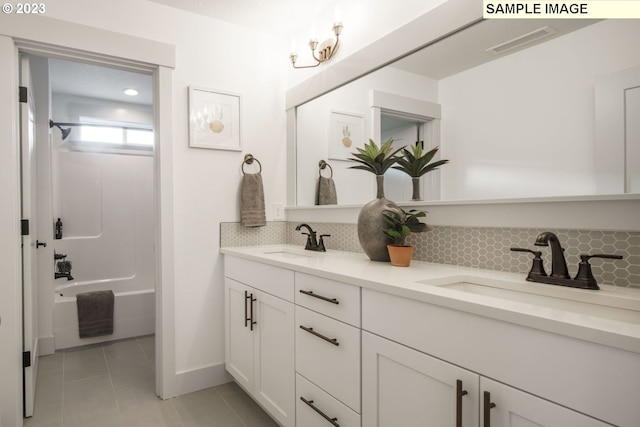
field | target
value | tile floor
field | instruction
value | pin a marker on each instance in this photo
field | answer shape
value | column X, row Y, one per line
column 112, row 385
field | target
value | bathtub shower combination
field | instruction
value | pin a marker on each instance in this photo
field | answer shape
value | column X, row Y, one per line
column 134, row 312
column 105, row 202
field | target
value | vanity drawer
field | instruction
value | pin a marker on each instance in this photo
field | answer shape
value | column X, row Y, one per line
column 317, row 404
column 272, row 280
column 328, row 354
column 334, row 299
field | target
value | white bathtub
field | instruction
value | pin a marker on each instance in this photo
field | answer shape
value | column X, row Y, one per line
column 134, row 312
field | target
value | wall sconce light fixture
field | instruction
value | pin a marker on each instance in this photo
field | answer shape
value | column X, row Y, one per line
column 325, row 52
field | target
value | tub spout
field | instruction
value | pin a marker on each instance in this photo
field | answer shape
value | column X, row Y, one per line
column 61, row 275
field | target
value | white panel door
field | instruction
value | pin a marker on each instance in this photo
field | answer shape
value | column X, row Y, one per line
column 402, row 387
column 239, row 339
column 632, row 143
column 29, row 242
column 274, row 357
column 514, row 408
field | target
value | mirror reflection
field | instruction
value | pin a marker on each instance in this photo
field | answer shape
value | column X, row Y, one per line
column 520, row 108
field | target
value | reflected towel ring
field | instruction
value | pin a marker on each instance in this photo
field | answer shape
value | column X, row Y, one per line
column 249, row 159
column 323, row 165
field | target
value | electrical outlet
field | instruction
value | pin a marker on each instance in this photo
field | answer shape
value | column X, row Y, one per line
column 278, row 211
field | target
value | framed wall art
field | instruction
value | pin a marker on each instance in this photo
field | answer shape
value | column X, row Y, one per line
column 214, row 119
column 346, row 131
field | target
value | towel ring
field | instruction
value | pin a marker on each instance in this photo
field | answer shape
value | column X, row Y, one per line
column 249, row 159
column 323, row 165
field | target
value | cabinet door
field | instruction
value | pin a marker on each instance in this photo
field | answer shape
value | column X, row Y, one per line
column 402, row 387
column 239, row 338
column 274, row 357
column 514, row 408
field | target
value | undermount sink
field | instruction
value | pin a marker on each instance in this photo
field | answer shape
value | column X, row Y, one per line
column 286, row 253
column 614, row 304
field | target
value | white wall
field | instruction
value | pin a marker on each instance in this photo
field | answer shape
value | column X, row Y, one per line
column 216, row 55
column 313, row 126
column 497, row 150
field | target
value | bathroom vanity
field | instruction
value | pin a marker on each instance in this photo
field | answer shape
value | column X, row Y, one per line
column 321, row 339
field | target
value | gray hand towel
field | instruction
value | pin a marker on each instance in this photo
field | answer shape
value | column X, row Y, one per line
column 95, row 313
column 252, row 201
column 326, row 194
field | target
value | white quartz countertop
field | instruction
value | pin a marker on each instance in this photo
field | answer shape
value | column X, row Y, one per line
column 609, row 316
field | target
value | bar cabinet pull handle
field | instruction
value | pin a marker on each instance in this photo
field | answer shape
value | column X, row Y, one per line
column 333, row 341
column 252, row 322
column 311, row 294
column 459, row 393
column 309, row 403
column 246, row 318
column 487, row 409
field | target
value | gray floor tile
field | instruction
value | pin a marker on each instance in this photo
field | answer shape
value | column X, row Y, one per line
column 122, row 350
column 205, row 408
column 113, row 385
column 81, row 364
column 50, row 364
column 148, row 346
column 249, row 411
column 93, row 395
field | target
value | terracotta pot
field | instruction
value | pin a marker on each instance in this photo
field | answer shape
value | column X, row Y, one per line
column 400, row 255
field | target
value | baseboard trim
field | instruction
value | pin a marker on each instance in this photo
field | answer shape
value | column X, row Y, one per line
column 201, row 378
column 46, row 345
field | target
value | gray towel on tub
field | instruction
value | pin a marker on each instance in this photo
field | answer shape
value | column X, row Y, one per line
column 95, row 313
column 326, row 194
column 252, row 201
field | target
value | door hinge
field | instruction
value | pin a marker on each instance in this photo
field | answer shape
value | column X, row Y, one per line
column 23, row 94
column 24, row 227
column 26, row 359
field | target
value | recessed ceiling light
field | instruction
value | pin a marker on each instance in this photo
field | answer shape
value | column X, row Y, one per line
column 130, row 92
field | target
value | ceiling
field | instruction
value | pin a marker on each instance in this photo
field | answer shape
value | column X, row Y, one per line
column 279, row 17
column 76, row 78
column 467, row 49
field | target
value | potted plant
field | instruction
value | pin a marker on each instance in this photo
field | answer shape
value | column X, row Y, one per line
column 377, row 160
column 415, row 163
column 401, row 223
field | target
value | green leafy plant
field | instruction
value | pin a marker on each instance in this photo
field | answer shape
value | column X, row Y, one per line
column 375, row 159
column 415, row 163
column 402, row 223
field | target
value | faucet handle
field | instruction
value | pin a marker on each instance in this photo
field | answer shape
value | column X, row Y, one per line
column 585, row 275
column 321, row 242
column 537, row 266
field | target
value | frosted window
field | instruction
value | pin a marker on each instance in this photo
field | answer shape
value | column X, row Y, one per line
column 107, row 135
column 139, row 137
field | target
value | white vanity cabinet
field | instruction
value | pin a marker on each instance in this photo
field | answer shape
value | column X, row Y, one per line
column 259, row 334
column 417, row 352
column 402, row 387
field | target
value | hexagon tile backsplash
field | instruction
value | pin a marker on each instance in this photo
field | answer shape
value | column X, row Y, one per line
column 481, row 247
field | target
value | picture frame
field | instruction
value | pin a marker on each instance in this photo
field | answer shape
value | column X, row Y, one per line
column 346, row 131
column 214, row 119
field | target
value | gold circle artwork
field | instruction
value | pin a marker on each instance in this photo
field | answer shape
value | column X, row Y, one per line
column 346, row 141
column 216, row 126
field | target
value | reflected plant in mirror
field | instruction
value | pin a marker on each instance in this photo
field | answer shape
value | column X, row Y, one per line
column 415, row 164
